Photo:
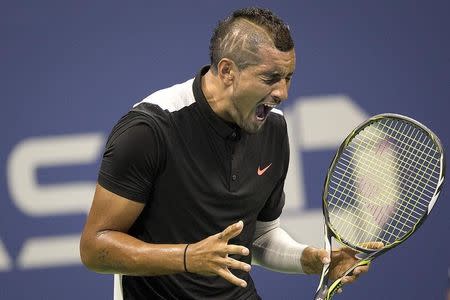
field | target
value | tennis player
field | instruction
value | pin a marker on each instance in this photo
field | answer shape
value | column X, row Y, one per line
column 190, row 188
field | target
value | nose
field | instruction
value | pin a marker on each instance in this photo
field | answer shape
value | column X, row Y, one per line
column 280, row 91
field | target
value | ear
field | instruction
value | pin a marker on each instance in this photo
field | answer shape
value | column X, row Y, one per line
column 226, row 70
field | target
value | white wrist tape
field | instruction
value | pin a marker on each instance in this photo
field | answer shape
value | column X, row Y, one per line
column 274, row 249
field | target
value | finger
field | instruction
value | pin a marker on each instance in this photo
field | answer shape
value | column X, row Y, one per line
column 339, row 253
column 348, row 279
column 227, row 275
column 235, row 249
column 231, row 231
column 372, row 245
column 235, row 264
column 361, row 269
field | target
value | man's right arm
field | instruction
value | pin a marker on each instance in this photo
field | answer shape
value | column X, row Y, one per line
column 106, row 247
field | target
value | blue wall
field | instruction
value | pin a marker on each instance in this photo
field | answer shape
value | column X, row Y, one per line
column 70, row 69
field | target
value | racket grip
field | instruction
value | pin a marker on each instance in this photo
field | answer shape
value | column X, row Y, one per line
column 336, row 286
column 325, row 293
column 322, row 293
column 338, row 283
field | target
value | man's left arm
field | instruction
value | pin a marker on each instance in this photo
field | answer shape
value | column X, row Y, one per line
column 274, row 249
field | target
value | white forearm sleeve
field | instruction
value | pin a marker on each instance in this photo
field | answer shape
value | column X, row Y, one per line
column 274, row 249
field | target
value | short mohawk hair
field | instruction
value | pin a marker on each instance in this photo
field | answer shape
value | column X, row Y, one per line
column 274, row 27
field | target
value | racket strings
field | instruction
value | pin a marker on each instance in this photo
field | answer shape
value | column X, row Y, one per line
column 403, row 206
column 405, row 181
column 382, row 183
column 378, row 212
column 407, row 177
column 415, row 140
column 360, row 221
column 418, row 211
column 404, row 164
column 415, row 186
column 424, row 175
column 420, row 151
column 407, row 160
column 417, row 160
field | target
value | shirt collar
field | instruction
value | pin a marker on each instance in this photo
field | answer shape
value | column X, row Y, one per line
column 225, row 129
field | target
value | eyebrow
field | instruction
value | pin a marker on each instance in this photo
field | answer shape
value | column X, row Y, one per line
column 275, row 74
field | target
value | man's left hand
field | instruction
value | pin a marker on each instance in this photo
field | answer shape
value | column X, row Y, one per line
column 342, row 259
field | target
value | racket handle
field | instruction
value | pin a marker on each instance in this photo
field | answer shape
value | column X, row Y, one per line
column 326, row 293
column 333, row 289
column 322, row 293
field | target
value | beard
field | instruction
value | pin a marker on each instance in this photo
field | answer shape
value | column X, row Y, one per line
column 250, row 124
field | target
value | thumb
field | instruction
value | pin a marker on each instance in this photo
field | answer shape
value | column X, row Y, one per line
column 323, row 256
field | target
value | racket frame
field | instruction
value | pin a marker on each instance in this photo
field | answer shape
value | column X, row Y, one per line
column 325, row 292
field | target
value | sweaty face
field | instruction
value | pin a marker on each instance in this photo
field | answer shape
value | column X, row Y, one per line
column 257, row 89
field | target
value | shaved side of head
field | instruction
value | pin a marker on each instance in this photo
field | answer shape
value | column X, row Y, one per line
column 240, row 36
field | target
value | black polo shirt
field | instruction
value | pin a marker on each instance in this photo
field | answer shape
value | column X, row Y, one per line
column 196, row 174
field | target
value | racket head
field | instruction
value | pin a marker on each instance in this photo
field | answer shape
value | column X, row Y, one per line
column 382, row 182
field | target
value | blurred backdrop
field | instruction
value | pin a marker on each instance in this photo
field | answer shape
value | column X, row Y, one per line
column 70, row 69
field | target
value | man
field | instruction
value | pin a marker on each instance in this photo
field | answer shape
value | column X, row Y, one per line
column 190, row 188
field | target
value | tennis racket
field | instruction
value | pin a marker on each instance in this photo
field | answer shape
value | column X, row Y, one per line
column 380, row 187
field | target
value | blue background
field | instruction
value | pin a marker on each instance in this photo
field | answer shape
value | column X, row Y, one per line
column 76, row 66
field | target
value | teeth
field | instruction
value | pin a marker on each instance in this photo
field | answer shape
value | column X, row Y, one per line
column 270, row 105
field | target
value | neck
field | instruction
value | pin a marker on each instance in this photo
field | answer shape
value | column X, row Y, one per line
column 215, row 95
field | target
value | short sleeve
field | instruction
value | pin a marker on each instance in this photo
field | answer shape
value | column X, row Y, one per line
column 132, row 159
column 275, row 203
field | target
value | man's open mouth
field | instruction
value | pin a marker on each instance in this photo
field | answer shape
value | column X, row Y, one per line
column 262, row 110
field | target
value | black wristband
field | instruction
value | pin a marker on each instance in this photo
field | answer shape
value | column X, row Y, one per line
column 184, row 258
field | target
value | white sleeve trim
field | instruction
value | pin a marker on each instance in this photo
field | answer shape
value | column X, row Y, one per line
column 118, row 295
column 274, row 249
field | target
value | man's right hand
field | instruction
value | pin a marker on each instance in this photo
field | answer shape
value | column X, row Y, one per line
column 106, row 246
column 210, row 256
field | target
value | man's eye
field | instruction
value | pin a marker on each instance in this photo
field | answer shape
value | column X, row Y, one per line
column 271, row 80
